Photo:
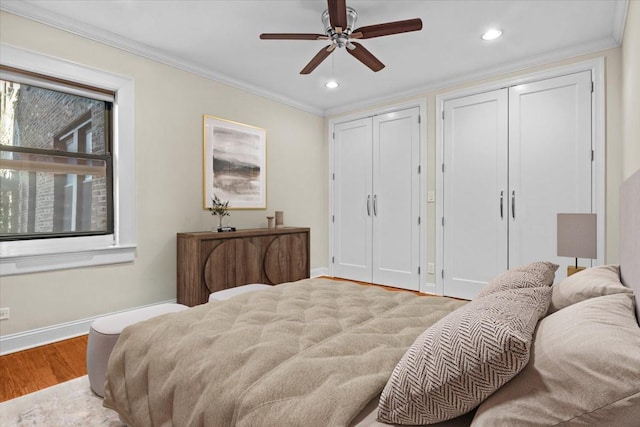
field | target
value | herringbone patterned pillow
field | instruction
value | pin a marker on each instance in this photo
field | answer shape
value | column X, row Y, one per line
column 532, row 275
column 463, row 358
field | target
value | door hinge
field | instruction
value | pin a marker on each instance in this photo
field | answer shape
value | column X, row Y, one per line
column 334, row 135
column 592, row 87
column 333, row 260
column 442, row 274
column 593, row 155
column 333, row 176
column 418, row 270
column 442, row 114
column 333, row 218
column 419, row 119
column 418, row 220
column 419, row 169
column 443, row 221
column 443, row 168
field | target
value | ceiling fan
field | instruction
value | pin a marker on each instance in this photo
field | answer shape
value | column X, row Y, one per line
column 339, row 21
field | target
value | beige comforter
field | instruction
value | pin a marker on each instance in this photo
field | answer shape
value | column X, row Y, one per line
column 309, row 353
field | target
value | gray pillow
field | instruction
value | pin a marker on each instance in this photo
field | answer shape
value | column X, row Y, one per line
column 584, row 370
column 532, row 275
column 463, row 358
column 589, row 283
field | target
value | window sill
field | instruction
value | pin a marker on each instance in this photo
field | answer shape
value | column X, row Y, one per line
column 32, row 263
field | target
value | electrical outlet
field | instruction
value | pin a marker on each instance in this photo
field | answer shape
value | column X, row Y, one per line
column 4, row 313
column 430, row 268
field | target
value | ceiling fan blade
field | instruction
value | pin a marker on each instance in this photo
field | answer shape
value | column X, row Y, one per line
column 337, row 13
column 317, row 60
column 363, row 55
column 389, row 28
column 292, row 36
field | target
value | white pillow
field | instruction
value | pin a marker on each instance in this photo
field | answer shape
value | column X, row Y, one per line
column 584, row 370
column 589, row 283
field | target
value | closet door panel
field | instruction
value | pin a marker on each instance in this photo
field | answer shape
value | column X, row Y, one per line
column 396, row 198
column 353, row 200
column 475, row 192
column 549, row 163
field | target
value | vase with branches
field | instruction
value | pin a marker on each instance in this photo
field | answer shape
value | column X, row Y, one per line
column 219, row 209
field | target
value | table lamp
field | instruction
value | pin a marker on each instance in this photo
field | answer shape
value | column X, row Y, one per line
column 577, row 238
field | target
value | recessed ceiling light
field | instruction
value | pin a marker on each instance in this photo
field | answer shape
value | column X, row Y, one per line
column 492, row 34
column 332, row 84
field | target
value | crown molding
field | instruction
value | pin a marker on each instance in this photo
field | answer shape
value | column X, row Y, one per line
column 43, row 16
column 485, row 73
column 29, row 11
column 620, row 20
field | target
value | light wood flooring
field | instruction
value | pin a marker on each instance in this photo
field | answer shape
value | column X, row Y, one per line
column 30, row 370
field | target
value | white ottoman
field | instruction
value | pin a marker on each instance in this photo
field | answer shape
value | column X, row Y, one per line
column 232, row 292
column 104, row 333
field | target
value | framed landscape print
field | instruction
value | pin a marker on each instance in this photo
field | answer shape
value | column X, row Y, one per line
column 235, row 164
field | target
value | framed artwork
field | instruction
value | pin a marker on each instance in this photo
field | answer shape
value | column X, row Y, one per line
column 235, row 164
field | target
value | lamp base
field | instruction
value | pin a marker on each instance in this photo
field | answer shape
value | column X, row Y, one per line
column 573, row 269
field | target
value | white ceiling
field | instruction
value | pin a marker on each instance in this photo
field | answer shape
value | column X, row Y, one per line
column 219, row 39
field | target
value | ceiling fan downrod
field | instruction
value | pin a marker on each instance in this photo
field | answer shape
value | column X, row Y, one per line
column 340, row 36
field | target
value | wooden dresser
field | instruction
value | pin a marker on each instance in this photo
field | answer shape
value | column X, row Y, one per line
column 212, row 261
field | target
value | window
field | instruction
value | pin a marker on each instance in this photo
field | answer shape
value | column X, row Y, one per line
column 76, row 193
column 55, row 161
column 66, row 165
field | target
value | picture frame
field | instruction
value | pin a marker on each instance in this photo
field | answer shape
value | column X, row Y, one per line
column 234, row 164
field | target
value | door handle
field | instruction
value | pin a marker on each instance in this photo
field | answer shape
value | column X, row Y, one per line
column 375, row 205
column 501, row 204
column 513, row 204
column 368, row 204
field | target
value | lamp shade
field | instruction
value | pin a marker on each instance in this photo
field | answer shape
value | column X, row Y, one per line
column 577, row 235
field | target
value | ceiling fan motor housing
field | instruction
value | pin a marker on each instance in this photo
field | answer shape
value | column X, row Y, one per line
column 340, row 36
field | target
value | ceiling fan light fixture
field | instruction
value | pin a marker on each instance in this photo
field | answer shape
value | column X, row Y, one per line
column 339, row 22
column 492, row 34
column 332, row 84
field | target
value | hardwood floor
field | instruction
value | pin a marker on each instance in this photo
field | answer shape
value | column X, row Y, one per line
column 389, row 288
column 37, row 368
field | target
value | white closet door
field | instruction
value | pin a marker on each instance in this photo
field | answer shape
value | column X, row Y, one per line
column 396, row 199
column 475, row 192
column 549, row 164
column 353, row 204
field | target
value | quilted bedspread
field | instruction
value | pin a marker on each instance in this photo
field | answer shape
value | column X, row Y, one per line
column 308, row 353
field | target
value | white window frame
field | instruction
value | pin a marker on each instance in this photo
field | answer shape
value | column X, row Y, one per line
column 28, row 256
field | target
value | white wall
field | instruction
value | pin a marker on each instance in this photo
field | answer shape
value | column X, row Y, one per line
column 631, row 91
column 613, row 141
column 169, row 104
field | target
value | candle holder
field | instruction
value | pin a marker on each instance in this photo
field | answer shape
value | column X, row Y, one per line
column 279, row 219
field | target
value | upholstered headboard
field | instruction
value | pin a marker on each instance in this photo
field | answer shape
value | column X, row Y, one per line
column 630, row 236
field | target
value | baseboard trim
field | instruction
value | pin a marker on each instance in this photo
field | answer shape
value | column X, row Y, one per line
column 321, row 271
column 47, row 335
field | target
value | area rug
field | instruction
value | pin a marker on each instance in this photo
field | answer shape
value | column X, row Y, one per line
column 68, row 404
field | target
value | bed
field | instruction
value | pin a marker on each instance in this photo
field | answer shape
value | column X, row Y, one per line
column 321, row 352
